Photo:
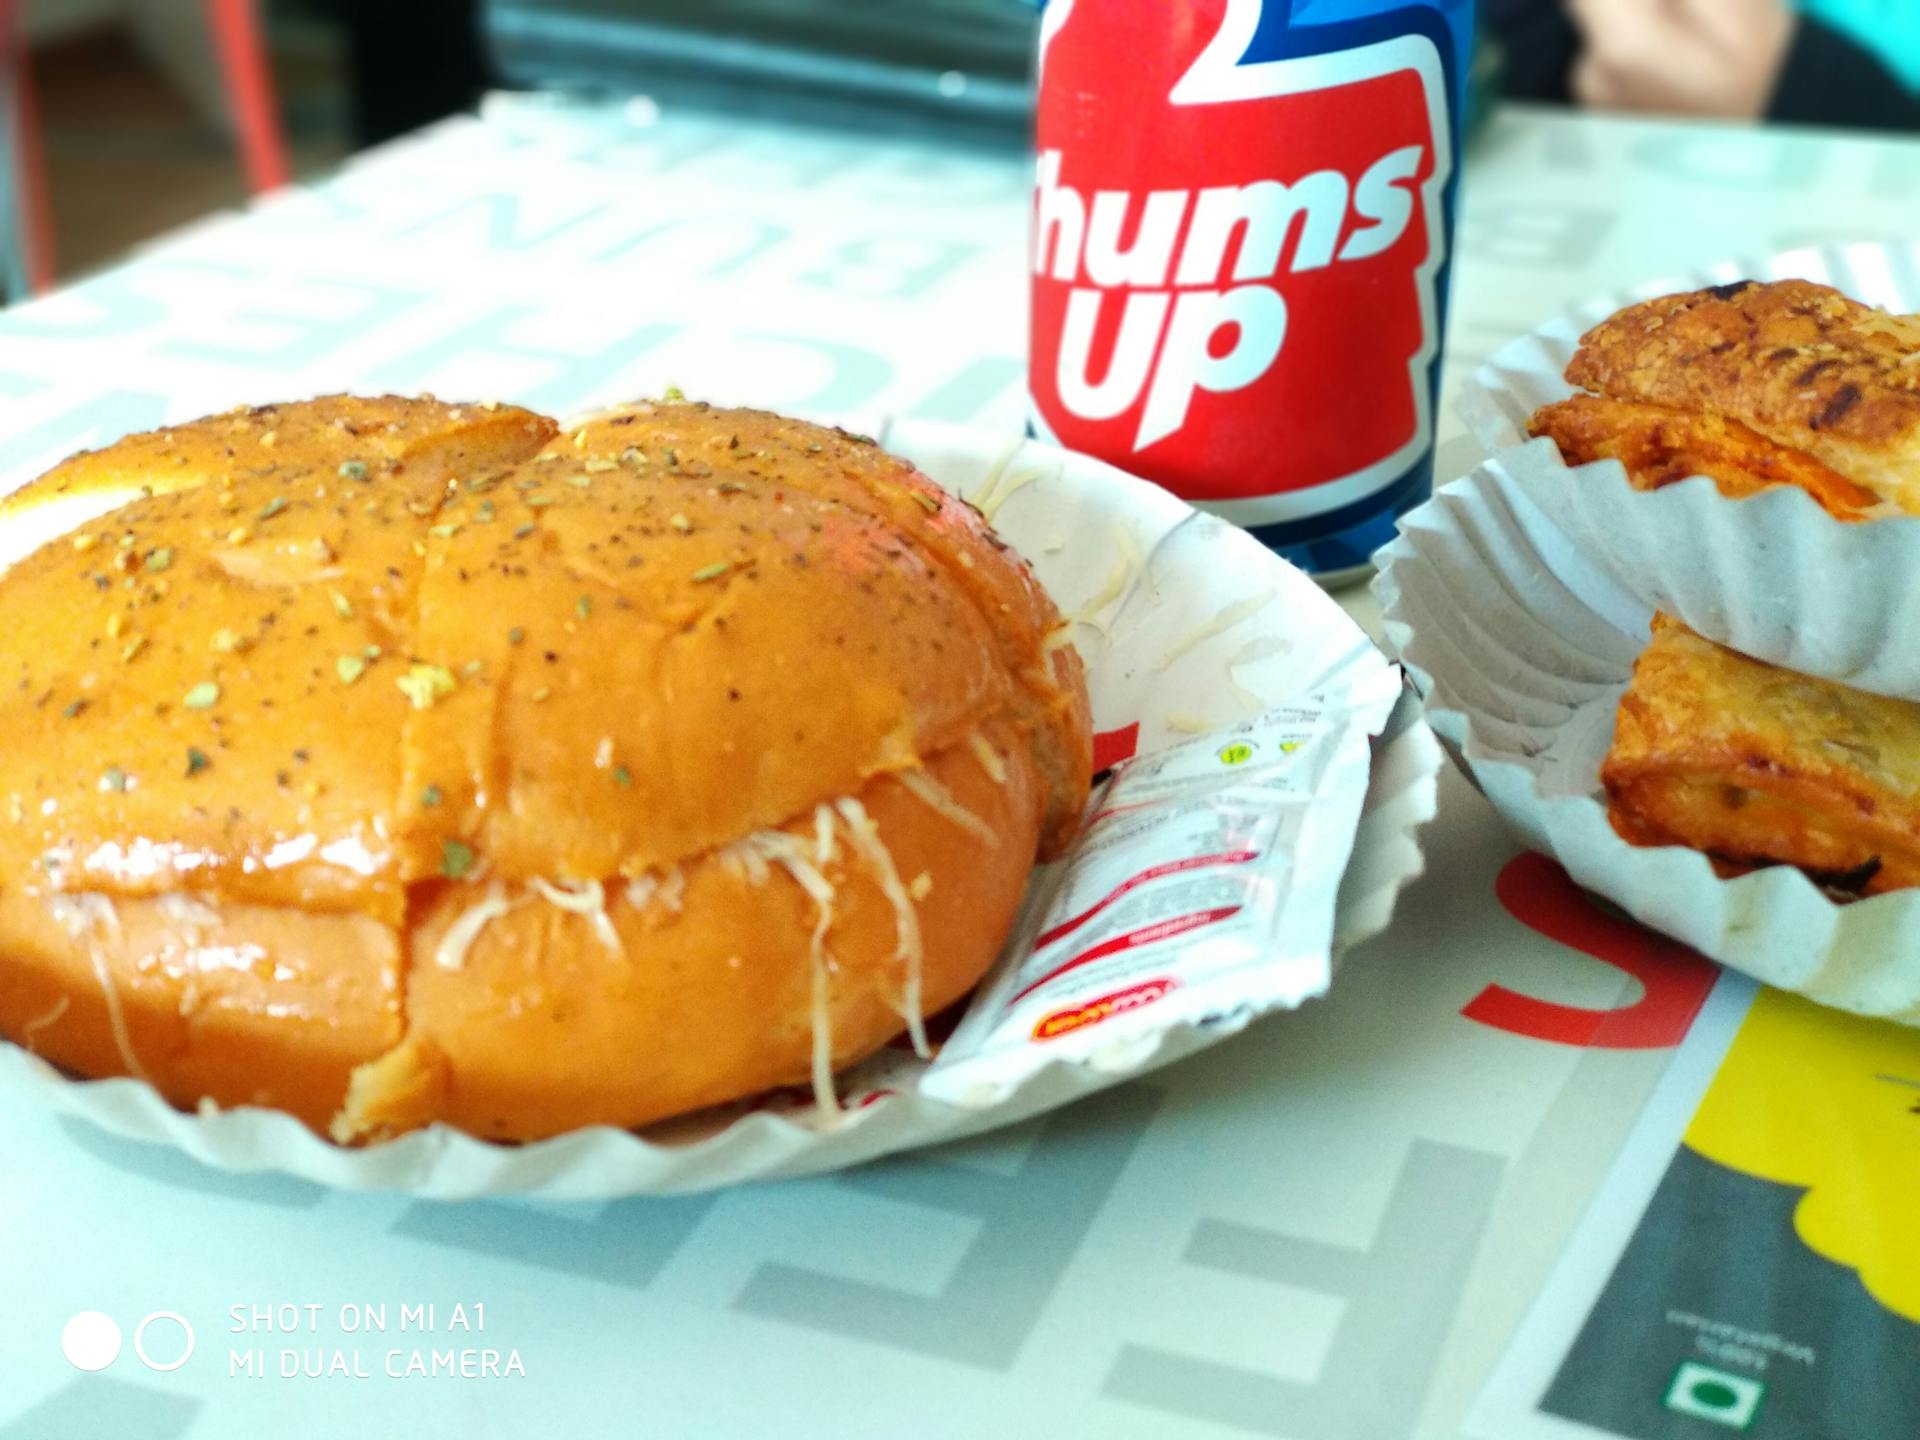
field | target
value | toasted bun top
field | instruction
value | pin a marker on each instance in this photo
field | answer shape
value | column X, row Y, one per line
column 348, row 645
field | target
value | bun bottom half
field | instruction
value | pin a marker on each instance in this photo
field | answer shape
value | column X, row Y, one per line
column 563, row 1007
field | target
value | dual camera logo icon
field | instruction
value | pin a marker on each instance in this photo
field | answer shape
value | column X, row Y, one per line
column 163, row 1340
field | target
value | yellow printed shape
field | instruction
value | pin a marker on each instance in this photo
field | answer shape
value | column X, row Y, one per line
column 1826, row 1102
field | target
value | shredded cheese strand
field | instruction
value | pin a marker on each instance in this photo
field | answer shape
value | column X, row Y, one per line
column 116, row 1016
column 672, row 888
column 1127, row 568
column 990, row 505
column 1250, row 699
column 754, row 861
column 823, row 835
column 1060, row 637
column 1231, row 616
column 1261, row 647
column 907, row 948
column 82, row 916
column 1130, row 549
column 33, row 1027
column 1088, row 613
column 825, row 1097
column 983, row 497
column 451, row 952
column 819, row 889
column 751, row 853
column 937, row 798
column 583, row 897
column 185, row 909
column 193, row 915
column 990, row 759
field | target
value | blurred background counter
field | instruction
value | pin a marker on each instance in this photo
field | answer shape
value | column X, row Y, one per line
column 120, row 119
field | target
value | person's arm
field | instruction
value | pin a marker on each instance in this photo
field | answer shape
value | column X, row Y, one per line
column 1827, row 79
column 1680, row 57
column 1738, row 59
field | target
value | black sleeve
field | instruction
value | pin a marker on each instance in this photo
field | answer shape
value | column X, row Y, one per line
column 1537, row 43
column 1829, row 80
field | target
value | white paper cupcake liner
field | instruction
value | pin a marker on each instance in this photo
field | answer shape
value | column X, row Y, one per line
column 1148, row 575
column 1521, row 643
column 1772, row 575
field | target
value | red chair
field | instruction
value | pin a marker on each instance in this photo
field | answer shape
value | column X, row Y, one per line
column 26, row 240
column 249, row 79
column 26, row 237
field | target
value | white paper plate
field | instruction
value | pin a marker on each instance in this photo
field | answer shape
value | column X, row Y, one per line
column 1521, row 645
column 1076, row 520
column 1772, row 575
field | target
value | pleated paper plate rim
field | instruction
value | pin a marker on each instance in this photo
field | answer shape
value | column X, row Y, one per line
column 1772, row 575
column 1060, row 510
column 1520, row 645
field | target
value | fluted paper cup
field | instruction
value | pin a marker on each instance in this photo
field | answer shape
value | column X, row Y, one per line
column 1185, row 623
column 1521, row 643
column 1772, row 575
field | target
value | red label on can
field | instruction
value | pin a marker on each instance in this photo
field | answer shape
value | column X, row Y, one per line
column 1234, row 264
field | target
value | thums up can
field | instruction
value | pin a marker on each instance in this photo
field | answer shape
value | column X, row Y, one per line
column 1242, row 222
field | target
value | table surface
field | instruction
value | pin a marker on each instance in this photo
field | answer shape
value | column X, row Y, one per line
column 1329, row 1229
